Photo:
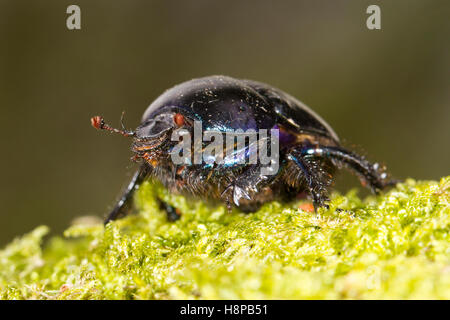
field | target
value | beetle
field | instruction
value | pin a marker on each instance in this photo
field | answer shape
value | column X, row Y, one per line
column 310, row 151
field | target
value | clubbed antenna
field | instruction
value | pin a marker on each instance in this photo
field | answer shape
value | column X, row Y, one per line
column 99, row 123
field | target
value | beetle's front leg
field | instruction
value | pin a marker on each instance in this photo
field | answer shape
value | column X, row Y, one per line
column 123, row 205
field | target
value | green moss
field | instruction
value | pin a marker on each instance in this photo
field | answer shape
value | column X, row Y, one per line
column 392, row 246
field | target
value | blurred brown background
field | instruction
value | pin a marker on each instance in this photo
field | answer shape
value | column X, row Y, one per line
column 386, row 91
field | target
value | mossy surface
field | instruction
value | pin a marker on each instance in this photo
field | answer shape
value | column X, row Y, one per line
column 396, row 245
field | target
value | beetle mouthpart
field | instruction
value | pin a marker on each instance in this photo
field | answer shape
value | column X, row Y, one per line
column 99, row 123
column 149, row 144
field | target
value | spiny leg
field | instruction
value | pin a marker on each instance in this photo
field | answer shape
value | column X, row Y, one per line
column 317, row 184
column 317, row 181
column 372, row 174
column 248, row 183
column 123, row 205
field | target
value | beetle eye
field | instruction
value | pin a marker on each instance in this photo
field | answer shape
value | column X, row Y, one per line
column 178, row 118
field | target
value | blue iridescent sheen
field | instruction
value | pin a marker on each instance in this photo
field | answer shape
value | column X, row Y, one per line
column 309, row 149
column 225, row 104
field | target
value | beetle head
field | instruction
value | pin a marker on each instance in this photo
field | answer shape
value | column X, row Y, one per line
column 156, row 127
column 151, row 138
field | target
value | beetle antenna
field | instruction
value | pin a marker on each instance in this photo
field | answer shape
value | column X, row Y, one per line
column 121, row 121
column 99, row 123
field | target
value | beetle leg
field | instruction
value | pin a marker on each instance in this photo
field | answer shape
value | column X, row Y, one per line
column 123, row 205
column 316, row 180
column 372, row 174
column 247, row 184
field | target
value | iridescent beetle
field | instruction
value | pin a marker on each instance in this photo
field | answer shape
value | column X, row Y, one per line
column 309, row 150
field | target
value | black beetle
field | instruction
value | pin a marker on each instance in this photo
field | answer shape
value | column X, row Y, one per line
column 309, row 149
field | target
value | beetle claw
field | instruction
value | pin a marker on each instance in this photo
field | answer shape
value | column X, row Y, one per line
column 237, row 192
